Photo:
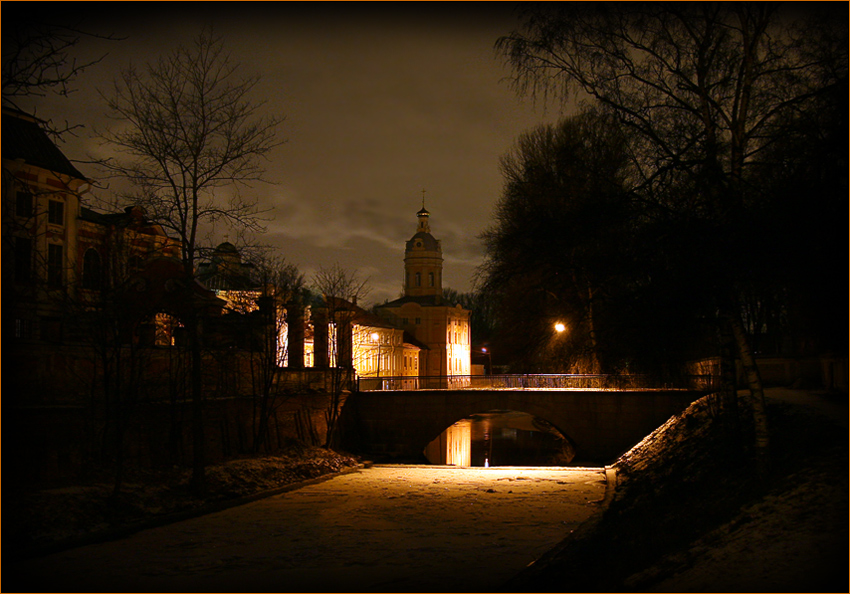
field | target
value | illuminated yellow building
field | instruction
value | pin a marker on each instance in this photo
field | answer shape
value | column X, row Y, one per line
column 378, row 349
column 231, row 279
column 442, row 327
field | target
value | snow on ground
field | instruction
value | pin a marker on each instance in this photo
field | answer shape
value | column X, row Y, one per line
column 45, row 518
column 690, row 515
column 396, row 528
column 794, row 538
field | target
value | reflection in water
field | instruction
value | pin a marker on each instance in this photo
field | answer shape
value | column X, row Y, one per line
column 500, row 438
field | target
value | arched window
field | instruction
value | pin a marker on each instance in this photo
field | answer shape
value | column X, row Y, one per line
column 91, row 269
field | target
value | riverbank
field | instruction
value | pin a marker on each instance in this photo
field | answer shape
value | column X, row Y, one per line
column 386, row 528
column 40, row 521
column 689, row 515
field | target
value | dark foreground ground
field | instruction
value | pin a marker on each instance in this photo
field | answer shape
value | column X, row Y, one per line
column 688, row 514
column 43, row 521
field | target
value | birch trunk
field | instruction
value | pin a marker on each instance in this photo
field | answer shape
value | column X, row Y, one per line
column 759, row 411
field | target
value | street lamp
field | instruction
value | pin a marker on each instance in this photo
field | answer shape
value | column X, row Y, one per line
column 489, row 356
column 559, row 327
column 376, row 338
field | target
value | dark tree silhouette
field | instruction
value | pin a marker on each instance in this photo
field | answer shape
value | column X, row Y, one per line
column 340, row 289
column 703, row 87
column 481, row 317
column 40, row 55
column 190, row 140
column 560, row 241
column 280, row 303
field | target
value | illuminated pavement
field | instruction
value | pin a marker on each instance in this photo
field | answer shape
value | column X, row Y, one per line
column 392, row 528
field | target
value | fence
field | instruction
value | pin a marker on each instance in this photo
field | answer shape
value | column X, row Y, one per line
column 537, row 382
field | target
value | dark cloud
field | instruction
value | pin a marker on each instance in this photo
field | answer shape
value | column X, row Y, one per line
column 381, row 100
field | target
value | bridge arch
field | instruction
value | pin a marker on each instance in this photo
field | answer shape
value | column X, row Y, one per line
column 601, row 424
column 463, row 442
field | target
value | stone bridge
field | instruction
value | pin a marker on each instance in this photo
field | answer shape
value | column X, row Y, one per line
column 601, row 424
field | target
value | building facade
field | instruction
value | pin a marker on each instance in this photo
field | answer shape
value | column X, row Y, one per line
column 59, row 257
column 443, row 328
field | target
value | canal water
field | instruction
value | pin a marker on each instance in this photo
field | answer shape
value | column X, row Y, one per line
column 500, row 438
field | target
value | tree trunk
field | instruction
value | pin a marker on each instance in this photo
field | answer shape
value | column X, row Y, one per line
column 728, row 404
column 594, row 345
column 762, row 434
column 198, row 441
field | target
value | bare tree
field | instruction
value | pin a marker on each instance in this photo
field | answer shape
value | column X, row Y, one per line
column 281, row 303
column 702, row 86
column 341, row 290
column 190, row 139
column 39, row 55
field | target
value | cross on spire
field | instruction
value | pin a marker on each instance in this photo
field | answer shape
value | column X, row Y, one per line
column 423, row 215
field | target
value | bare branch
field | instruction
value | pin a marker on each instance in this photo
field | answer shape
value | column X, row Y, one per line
column 189, row 137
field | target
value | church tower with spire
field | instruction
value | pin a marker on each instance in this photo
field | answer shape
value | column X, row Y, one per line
column 441, row 329
column 423, row 260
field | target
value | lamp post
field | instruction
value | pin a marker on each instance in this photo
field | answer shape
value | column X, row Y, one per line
column 376, row 338
column 486, row 351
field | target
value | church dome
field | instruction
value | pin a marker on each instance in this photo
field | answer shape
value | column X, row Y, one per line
column 422, row 241
column 226, row 248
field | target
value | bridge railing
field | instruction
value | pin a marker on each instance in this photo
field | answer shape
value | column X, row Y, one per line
column 535, row 381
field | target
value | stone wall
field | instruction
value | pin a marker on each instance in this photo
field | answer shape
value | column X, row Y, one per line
column 601, row 424
column 59, row 443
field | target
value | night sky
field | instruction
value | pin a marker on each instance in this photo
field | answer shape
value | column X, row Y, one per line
column 380, row 103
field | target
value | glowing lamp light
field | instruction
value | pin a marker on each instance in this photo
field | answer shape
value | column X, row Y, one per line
column 559, row 327
column 375, row 337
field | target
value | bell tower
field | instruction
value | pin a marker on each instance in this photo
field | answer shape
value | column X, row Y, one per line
column 423, row 260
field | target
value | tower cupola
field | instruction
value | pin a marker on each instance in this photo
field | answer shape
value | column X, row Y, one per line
column 423, row 260
column 423, row 215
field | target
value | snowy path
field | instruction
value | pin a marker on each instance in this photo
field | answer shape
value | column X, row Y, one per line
column 391, row 528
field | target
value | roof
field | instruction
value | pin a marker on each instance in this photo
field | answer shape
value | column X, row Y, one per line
column 428, row 242
column 410, row 339
column 226, row 248
column 226, row 271
column 24, row 138
column 423, row 300
column 361, row 316
column 131, row 216
column 225, row 276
